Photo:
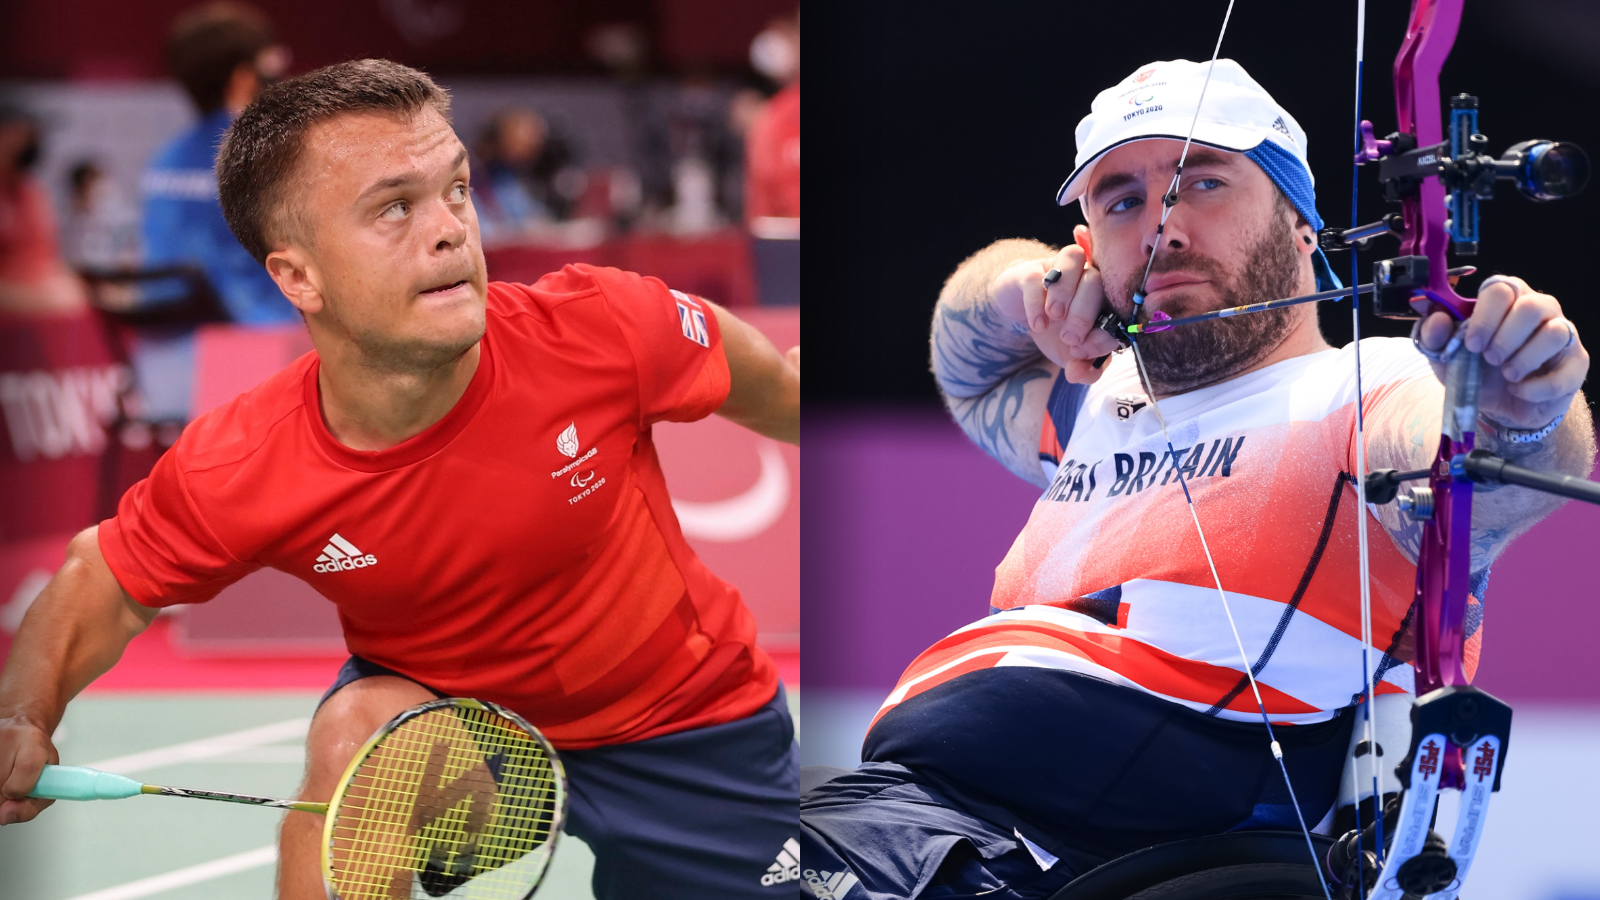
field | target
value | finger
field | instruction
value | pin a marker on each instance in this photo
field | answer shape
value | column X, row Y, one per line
column 1495, row 297
column 1086, row 306
column 1548, row 339
column 1069, row 264
column 792, row 357
column 1033, row 304
column 1080, row 236
column 1436, row 331
column 1006, row 289
column 1526, row 315
column 1561, row 380
column 1097, row 344
column 26, row 765
column 13, row 812
column 1082, row 371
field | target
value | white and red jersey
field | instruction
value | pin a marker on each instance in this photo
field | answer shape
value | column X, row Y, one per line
column 522, row 550
column 1108, row 578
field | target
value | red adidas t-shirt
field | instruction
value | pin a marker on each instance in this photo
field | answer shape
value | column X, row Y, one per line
column 522, row 550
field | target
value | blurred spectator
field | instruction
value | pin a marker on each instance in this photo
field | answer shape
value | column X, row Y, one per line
column 223, row 54
column 699, row 136
column 33, row 278
column 773, row 146
column 530, row 175
column 101, row 231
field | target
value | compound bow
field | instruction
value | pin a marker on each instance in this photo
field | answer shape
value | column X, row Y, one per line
column 1459, row 733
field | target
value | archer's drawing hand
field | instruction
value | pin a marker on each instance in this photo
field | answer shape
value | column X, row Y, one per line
column 1060, row 319
column 1534, row 361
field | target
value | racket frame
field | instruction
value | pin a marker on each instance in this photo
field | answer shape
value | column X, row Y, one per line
column 558, row 814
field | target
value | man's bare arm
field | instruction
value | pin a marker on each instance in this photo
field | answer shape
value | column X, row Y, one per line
column 1532, row 367
column 73, row 633
column 993, row 376
column 1499, row 512
column 764, row 393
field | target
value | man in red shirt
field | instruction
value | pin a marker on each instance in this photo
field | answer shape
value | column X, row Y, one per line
column 772, row 147
column 466, row 470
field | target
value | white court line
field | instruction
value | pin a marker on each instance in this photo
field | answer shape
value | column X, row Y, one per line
column 286, row 753
column 156, row 884
column 236, row 743
column 205, row 748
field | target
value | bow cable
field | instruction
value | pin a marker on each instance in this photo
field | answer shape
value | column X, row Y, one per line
column 1168, row 202
column 1361, row 476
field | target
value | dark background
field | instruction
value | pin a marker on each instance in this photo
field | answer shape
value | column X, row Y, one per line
column 938, row 128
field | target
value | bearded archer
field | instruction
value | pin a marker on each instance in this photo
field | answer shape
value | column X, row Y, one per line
column 1103, row 707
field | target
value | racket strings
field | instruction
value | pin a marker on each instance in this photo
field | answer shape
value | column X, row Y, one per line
column 448, row 800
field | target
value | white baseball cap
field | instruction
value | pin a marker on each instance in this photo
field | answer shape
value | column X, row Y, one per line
column 1159, row 100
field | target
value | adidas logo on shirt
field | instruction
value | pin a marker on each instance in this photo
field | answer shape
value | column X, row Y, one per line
column 787, row 868
column 341, row 554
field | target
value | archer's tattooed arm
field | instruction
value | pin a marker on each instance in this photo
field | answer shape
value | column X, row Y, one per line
column 992, row 376
column 1500, row 512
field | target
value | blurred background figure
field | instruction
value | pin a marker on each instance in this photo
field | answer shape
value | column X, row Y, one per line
column 772, row 189
column 100, row 230
column 222, row 53
column 33, row 278
column 528, row 176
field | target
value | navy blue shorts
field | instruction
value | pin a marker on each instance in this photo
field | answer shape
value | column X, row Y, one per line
column 1006, row 783
column 709, row 812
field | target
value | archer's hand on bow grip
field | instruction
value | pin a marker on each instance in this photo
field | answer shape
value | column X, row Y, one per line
column 1534, row 359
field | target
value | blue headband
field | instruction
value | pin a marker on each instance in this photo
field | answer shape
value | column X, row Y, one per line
column 1292, row 178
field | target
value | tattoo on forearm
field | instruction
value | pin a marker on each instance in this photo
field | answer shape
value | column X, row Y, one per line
column 1407, row 535
column 993, row 377
column 1502, row 512
column 995, row 421
column 973, row 349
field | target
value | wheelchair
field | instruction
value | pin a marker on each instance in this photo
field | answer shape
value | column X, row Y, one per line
column 1244, row 865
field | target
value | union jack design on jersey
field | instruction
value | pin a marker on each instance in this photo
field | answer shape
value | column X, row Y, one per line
column 692, row 319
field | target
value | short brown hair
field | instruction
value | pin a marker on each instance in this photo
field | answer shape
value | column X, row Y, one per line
column 262, row 148
column 208, row 42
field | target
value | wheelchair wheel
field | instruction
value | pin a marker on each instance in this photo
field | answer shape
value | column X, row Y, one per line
column 1246, row 865
column 1262, row 881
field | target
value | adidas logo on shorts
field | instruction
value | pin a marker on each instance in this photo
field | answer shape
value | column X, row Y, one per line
column 341, row 554
column 826, row 885
column 787, row 867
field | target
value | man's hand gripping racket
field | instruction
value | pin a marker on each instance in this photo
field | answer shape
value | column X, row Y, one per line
column 455, row 797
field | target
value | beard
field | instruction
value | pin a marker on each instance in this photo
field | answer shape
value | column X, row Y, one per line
column 1195, row 356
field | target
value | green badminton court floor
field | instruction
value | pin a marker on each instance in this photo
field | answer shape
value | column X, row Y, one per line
column 176, row 849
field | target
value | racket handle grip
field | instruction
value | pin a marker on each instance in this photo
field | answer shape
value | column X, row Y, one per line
column 78, row 783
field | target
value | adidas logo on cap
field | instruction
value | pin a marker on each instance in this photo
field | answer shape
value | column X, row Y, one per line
column 787, row 868
column 341, row 554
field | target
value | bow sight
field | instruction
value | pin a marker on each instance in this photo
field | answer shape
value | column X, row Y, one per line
column 1542, row 170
